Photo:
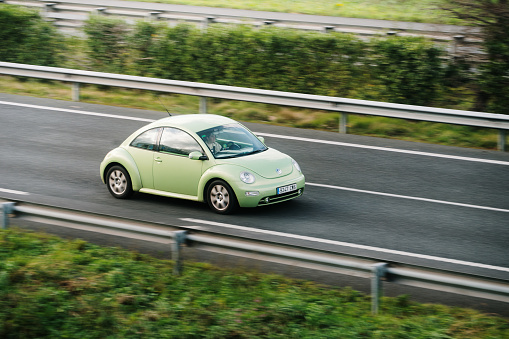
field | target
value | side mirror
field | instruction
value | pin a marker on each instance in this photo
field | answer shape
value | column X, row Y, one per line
column 262, row 139
column 197, row 156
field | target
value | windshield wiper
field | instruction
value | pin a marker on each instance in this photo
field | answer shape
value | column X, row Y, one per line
column 242, row 154
column 259, row 150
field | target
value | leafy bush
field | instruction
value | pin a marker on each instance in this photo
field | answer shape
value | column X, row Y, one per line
column 26, row 38
column 269, row 58
column 492, row 17
column 406, row 70
column 494, row 80
column 409, row 69
column 107, row 42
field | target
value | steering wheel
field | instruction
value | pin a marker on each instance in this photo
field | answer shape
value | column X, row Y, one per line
column 232, row 146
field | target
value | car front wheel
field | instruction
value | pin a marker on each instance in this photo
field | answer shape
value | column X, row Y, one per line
column 119, row 182
column 221, row 198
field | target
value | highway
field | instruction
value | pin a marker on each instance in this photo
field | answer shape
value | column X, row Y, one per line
column 388, row 199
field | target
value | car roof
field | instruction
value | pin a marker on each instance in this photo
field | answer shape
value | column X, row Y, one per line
column 193, row 122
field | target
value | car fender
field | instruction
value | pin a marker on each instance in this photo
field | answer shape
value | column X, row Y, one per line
column 120, row 156
column 227, row 172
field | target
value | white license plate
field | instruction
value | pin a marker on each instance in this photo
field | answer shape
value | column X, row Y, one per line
column 287, row 188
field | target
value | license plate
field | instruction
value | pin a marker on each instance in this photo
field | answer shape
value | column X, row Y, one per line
column 286, row 189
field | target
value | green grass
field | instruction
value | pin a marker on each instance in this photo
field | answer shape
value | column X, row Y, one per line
column 400, row 10
column 54, row 288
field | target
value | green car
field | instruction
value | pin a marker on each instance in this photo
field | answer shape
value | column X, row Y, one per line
column 202, row 157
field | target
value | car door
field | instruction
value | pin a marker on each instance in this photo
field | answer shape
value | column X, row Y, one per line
column 173, row 170
column 142, row 149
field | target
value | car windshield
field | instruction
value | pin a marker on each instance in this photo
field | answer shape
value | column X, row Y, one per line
column 230, row 141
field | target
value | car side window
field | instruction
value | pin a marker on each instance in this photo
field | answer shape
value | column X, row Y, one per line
column 178, row 142
column 146, row 140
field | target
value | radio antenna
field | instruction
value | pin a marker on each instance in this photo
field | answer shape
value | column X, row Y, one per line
column 159, row 97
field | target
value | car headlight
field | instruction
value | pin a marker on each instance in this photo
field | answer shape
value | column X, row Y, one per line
column 296, row 165
column 247, row 177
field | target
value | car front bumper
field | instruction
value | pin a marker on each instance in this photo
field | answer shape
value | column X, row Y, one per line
column 266, row 193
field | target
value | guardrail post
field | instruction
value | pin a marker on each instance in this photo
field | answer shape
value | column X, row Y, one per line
column 207, row 21
column 7, row 208
column 502, row 140
column 343, row 123
column 379, row 270
column 76, row 91
column 203, row 105
column 458, row 39
column 153, row 16
column 49, row 7
column 99, row 11
column 176, row 251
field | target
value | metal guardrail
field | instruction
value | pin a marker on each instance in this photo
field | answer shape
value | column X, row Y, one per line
column 441, row 280
column 72, row 14
column 202, row 90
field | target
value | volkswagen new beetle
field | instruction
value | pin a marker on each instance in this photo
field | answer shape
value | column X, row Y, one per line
column 202, row 157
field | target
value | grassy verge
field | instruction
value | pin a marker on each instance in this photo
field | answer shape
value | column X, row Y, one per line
column 408, row 10
column 52, row 288
column 460, row 136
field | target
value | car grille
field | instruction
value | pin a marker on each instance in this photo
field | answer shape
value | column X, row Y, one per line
column 280, row 197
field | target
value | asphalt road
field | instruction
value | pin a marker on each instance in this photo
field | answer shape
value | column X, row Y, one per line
column 419, row 199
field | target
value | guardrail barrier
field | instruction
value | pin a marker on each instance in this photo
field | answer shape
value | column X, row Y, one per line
column 70, row 14
column 204, row 91
column 436, row 279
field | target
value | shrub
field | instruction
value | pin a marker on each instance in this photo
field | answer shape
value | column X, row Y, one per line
column 406, row 70
column 107, row 40
column 22, row 32
column 397, row 69
column 409, row 69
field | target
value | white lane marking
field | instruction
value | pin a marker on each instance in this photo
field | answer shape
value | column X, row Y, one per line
column 385, row 149
column 409, row 197
column 346, row 244
column 337, row 143
column 5, row 190
column 73, row 111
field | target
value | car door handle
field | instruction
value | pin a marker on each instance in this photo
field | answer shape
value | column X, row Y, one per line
column 158, row 160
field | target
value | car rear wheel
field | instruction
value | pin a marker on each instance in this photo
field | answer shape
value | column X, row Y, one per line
column 221, row 198
column 119, row 182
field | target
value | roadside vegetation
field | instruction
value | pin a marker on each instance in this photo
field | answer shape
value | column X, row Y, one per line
column 55, row 288
column 397, row 69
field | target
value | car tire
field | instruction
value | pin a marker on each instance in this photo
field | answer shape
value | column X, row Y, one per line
column 119, row 182
column 221, row 197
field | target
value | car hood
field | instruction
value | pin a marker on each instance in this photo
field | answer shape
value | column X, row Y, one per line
column 269, row 164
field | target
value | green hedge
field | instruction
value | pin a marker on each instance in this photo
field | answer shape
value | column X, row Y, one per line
column 26, row 38
column 409, row 69
column 396, row 69
column 494, row 79
column 108, row 48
